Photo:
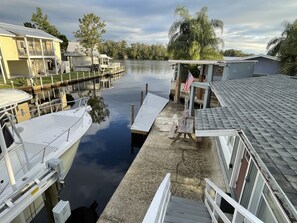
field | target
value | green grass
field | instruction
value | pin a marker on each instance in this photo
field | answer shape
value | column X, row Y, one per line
column 19, row 82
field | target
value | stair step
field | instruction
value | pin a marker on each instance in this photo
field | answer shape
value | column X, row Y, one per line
column 182, row 210
column 171, row 210
column 186, row 201
column 178, row 219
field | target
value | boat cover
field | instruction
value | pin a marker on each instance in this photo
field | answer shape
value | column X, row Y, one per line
column 10, row 97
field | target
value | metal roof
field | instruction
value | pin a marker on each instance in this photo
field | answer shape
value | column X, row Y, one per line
column 264, row 108
column 12, row 97
column 23, row 31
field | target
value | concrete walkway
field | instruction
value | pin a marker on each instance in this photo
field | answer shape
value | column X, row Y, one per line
column 188, row 164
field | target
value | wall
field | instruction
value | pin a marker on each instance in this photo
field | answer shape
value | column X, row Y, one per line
column 9, row 52
column 18, row 67
column 58, row 51
column 238, row 70
column 266, row 66
column 255, row 194
column 83, row 61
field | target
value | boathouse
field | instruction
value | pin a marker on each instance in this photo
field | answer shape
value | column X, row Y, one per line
column 256, row 131
column 27, row 52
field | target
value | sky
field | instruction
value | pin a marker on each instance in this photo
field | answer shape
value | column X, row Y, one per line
column 248, row 25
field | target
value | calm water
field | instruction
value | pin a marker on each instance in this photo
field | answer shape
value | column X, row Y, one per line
column 104, row 154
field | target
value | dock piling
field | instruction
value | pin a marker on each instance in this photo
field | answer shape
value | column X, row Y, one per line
column 132, row 114
column 146, row 88
column 141, row 97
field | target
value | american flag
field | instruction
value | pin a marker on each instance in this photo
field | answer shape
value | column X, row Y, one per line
column 188, row 83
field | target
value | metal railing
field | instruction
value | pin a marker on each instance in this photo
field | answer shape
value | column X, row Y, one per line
column 20, row 146
column 157, row 210
column 213, row 197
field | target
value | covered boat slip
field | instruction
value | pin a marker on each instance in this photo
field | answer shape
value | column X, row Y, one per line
column 148, row 112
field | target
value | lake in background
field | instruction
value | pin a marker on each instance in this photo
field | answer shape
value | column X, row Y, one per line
column 104, row 154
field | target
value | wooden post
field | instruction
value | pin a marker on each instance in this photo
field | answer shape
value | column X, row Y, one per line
column 83, row 74
column 89, row 74
column 177, row 87
column 50, row 101
column 52, row 80
column 12, row 85
column 61, row 78
column 69, row 77
column 76, row 75
column 146, row 88
column 141, row 97
column 199, row 91
column 41, row 83
column 51, row 199
column 132, row 114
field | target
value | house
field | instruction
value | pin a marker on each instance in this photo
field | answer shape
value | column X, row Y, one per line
column 80, row 60
column 214, row 70
column 27, row 52
column 256, row 133
column 266, row 65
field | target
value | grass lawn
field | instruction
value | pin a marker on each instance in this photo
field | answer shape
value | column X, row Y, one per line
column 21, row 81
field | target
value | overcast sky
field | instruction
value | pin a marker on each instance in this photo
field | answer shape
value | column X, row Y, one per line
column 248, row 25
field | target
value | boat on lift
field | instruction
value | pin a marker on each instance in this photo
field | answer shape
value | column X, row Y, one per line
column 34, row 154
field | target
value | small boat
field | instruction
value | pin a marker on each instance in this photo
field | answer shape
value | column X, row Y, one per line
column 35, row 154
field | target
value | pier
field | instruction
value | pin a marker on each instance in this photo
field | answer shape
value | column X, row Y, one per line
column 188, row 164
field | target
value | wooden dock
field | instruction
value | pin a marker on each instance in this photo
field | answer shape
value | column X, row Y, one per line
column 148, row 112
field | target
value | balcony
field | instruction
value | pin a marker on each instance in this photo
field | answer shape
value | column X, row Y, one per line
column 35, row 53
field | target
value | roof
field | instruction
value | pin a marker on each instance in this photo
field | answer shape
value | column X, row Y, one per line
column 254, row 57
column 22, row 31
column 75, row 49
column 264, row 108
column 11, row 97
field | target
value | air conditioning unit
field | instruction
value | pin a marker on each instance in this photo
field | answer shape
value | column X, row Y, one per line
column 62, row 211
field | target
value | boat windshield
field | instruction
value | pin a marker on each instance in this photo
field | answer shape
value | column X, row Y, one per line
column 7, row 135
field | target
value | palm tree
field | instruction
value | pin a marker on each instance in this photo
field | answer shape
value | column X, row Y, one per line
column 274, row 45
column 194, row 37
column 285, row 48
column 288, row 52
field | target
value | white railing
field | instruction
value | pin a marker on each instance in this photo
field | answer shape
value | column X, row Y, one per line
column 213, row 197
column 157, row 209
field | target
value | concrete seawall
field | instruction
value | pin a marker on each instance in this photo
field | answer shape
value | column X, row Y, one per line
column 188, row 164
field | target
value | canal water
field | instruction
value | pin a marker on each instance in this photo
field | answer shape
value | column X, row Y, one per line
column 104, row 154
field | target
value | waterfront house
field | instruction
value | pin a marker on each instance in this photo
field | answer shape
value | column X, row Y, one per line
column 266, row 65
column 256, row 132
column 80, row 60
column 27, row 52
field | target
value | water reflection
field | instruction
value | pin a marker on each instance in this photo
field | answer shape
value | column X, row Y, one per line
column 104, row 154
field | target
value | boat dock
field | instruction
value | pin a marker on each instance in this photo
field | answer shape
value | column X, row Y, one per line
column 148, row 112
column 188, row 164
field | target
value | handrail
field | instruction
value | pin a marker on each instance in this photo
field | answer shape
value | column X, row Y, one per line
column 240, row 212
column 157, row 209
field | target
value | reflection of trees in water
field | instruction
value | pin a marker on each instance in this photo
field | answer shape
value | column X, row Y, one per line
column 99, row 109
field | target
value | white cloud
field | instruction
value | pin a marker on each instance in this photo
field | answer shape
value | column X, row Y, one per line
column 248, row 25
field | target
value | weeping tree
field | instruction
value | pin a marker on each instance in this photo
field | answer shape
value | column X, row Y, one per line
column 194, row 36
column 285, row 48
column 90, row 32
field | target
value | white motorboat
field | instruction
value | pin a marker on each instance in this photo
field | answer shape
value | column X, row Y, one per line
column 34, row 154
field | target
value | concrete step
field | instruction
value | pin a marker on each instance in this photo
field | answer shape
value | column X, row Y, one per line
column 181, row 210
